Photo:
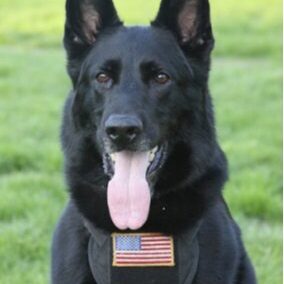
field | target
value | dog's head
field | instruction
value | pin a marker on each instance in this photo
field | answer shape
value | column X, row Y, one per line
column 139, row 92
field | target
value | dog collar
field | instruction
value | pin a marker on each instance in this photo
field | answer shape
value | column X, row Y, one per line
column 113, row 258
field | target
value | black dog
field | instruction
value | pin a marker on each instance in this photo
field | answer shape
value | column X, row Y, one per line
column 141, row 155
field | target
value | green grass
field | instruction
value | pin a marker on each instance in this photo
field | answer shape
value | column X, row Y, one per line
column 246, row 87
column 248, row 98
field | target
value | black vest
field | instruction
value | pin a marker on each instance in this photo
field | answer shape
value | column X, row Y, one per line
column 100, row 254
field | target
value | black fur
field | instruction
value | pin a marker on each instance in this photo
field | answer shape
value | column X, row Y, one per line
column 179, row 113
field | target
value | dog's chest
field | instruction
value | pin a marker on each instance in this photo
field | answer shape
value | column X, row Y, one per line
column 143, row 258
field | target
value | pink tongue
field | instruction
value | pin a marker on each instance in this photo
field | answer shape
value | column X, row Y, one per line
column 128, row 192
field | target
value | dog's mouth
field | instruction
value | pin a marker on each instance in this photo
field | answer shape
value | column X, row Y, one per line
column 156, row 158
column 129, row 189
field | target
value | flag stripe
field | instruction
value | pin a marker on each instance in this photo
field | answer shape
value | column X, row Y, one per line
column 142, row 256
column 145, row 262
column 145, row 253
column 157, row 239
column 154, row 261
column 155, row 243
column 156, row 248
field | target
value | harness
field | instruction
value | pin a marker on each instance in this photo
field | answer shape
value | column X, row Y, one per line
column 102, row 250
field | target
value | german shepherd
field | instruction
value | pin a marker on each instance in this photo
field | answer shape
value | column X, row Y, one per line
column 141, row 154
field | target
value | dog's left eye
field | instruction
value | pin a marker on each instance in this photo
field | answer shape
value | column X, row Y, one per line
column 162, row 78
column 103, row 78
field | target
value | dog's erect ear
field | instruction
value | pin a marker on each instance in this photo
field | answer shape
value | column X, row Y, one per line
column 84, row 20
column 189, row 20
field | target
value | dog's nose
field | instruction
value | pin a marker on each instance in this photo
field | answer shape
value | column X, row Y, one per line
column 123, row 129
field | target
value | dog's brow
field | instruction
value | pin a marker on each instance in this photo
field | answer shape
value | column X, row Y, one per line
column 151, row 65
column 112, row 64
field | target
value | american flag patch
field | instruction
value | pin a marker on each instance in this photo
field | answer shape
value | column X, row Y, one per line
column 142, row 249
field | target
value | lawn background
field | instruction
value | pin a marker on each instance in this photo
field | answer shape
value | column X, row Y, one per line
column 246, row 86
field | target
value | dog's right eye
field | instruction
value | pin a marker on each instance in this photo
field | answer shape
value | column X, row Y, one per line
column 103, row 78
column 162, row 78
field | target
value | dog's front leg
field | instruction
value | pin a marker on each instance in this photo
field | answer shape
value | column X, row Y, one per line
column 69, row 250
